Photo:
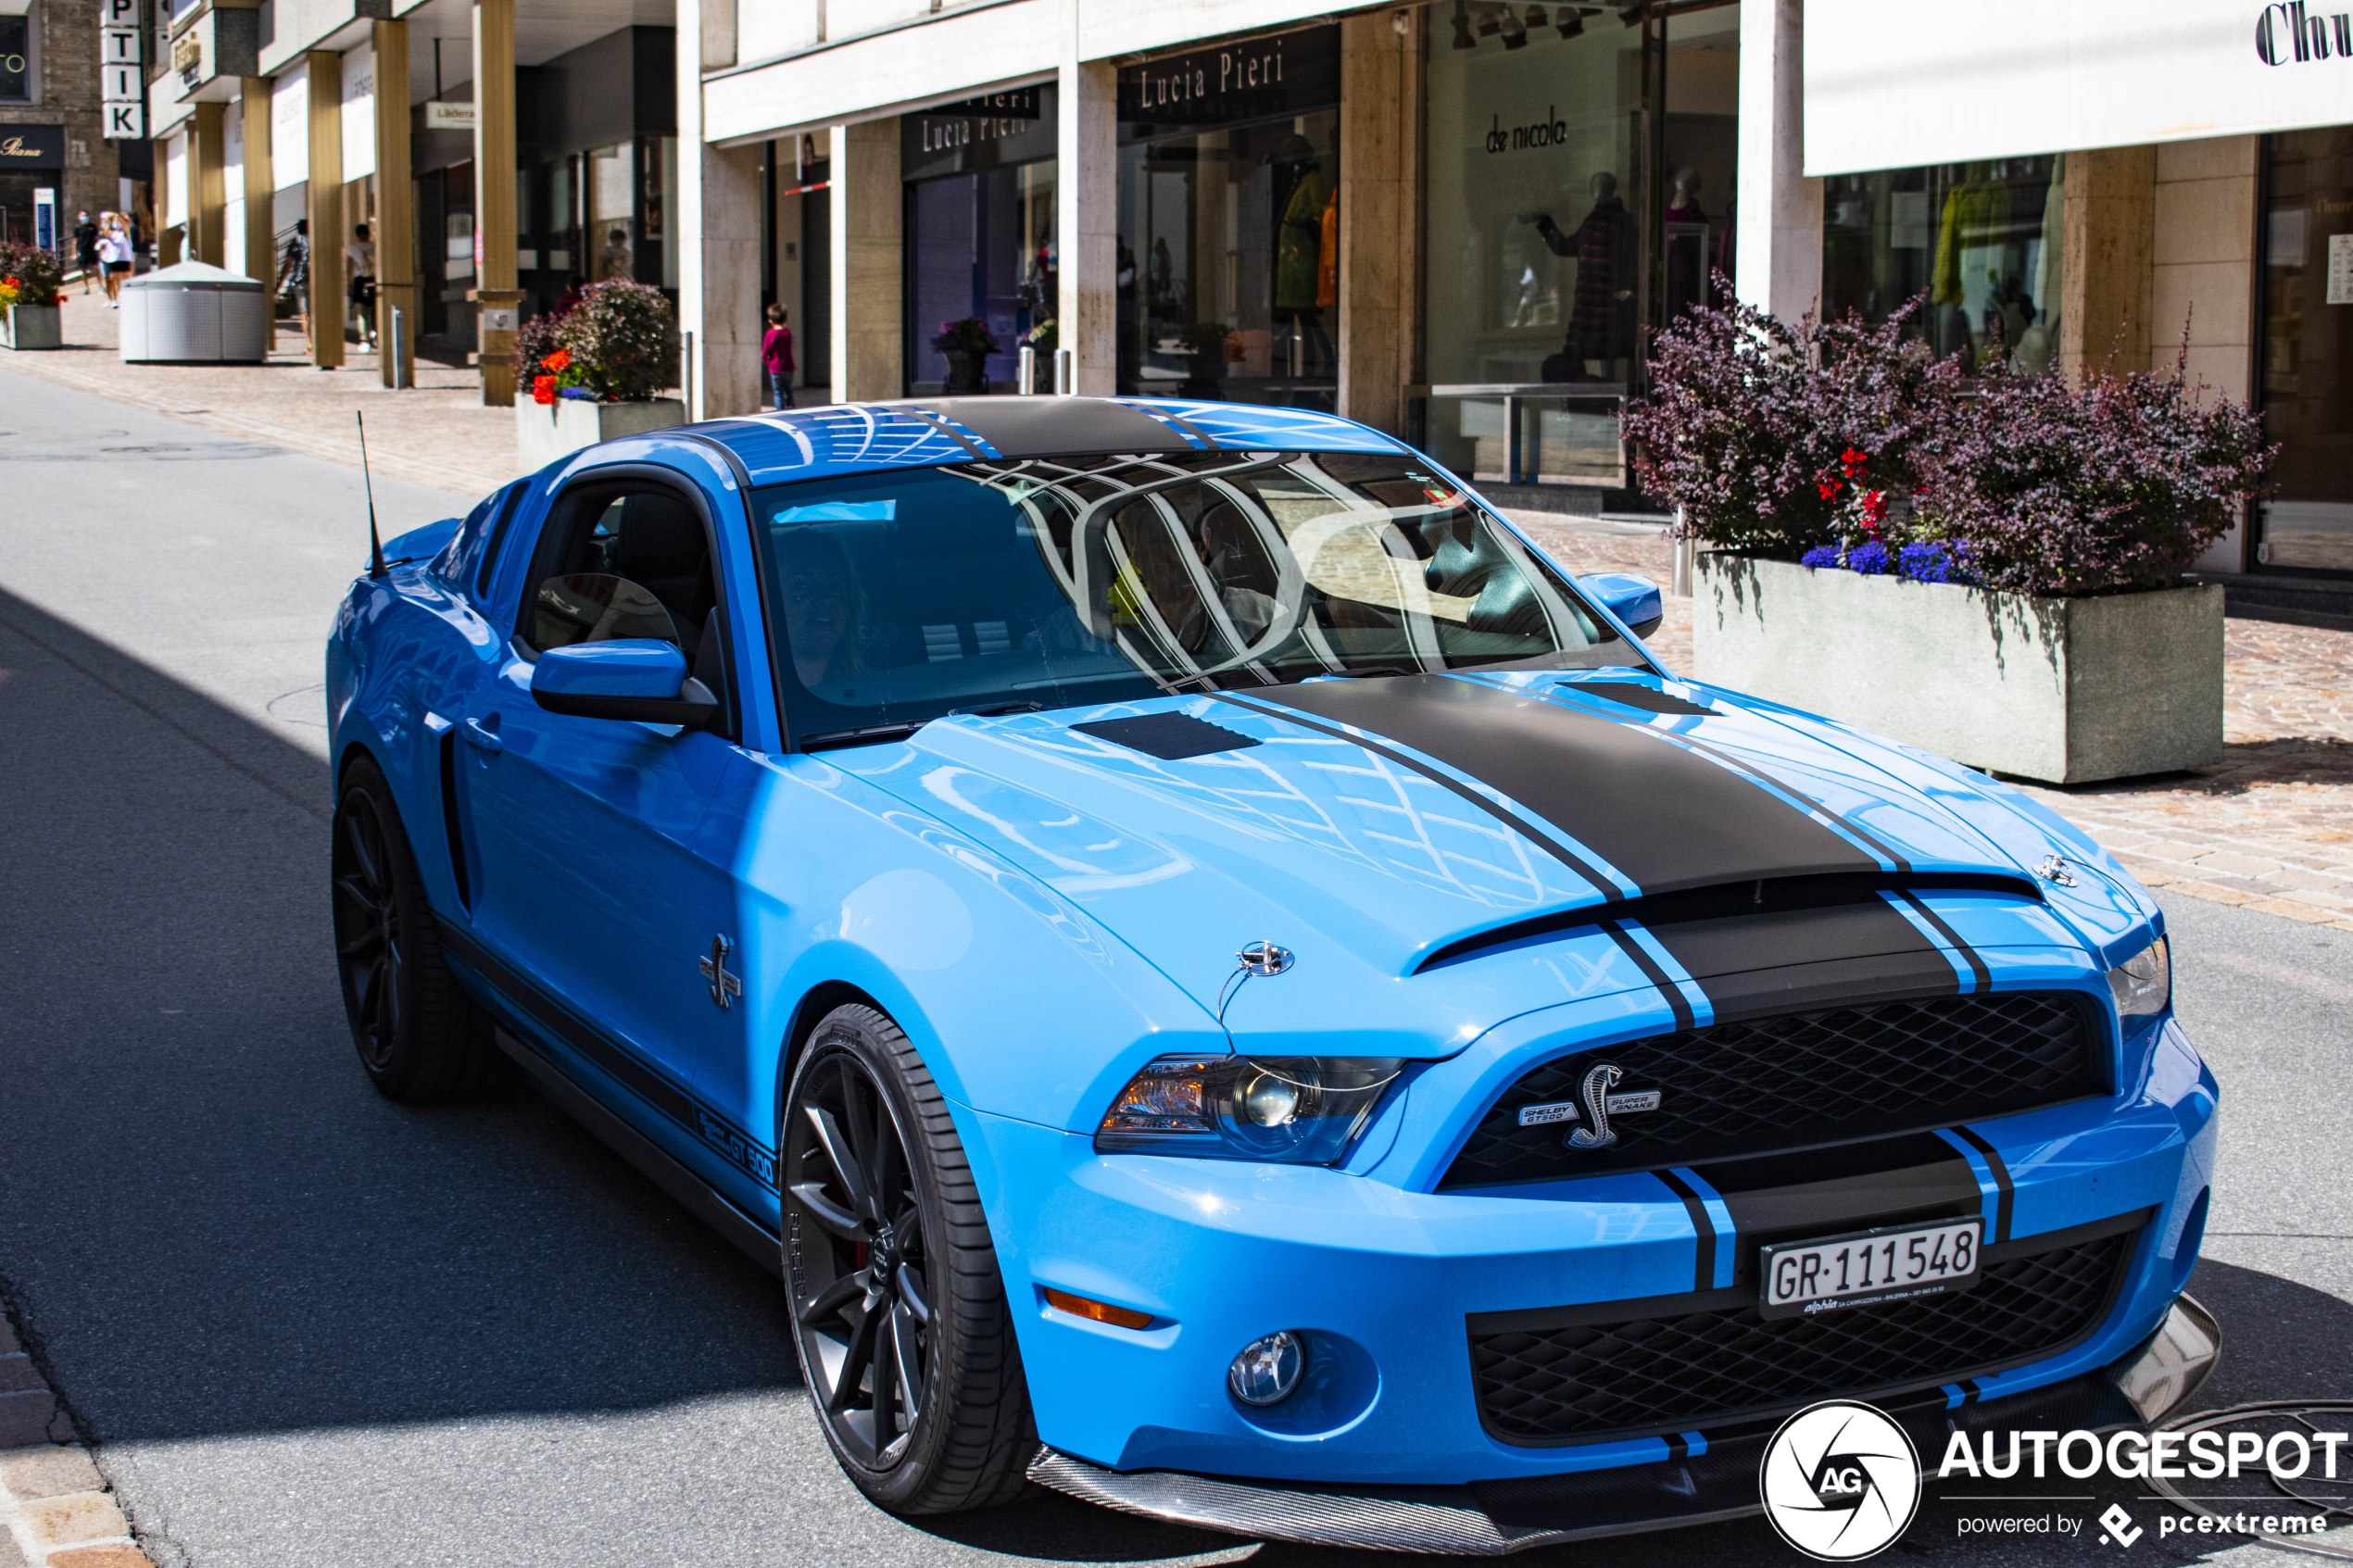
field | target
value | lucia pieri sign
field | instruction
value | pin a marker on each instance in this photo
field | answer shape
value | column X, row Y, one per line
column 2043, row 76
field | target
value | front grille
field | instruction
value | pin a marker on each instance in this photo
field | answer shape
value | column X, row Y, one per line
column 1675, row 1373
column 1797, row 1080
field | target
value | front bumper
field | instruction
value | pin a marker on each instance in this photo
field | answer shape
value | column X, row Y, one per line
column 1493, row 1519
column 1218, row 1253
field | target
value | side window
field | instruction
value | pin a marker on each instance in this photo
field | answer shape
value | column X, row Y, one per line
column 623, row 559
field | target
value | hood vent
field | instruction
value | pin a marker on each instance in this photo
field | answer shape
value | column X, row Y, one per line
column 1730, row 899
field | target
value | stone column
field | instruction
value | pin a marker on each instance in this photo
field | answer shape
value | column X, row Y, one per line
column 1776, row 240
column 1378, row 158
column 2104, row 266
column 323, row 207
column 395, row 230
column 720, row 204
column 1087, row 221
column 494, row 197
column 868, row 280
column 208, row 196
column 261, row 258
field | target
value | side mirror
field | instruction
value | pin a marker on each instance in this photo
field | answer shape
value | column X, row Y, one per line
column 1635, row 600
column 627, row 677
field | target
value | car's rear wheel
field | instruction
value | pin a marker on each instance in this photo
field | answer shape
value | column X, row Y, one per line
column 899, row 1314
column 419, row 1037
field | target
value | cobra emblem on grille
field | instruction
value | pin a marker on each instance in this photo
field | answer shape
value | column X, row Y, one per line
column 1599, row 1106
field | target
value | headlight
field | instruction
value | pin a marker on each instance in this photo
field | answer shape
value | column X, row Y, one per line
column 1304, row 1110
column 2143, row 984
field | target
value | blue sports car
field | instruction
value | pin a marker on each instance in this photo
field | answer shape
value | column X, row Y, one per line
column 1227, row 985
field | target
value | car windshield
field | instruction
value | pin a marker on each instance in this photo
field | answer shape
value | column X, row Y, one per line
column 996, row 586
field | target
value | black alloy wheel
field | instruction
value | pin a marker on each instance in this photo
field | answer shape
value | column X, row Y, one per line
column 899, row 1314
column 419, row 1035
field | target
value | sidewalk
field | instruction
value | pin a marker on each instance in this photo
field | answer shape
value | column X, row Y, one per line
column 2270, row 827
column 436, row 432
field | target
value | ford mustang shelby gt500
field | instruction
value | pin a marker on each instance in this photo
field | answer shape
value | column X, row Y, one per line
column 1227, row 985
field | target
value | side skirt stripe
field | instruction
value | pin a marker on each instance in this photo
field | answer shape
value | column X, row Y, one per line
column 1982, row 978
column 1704, row 1265
column 1592, row 874
column 2008, row 1192
column 677, row 1105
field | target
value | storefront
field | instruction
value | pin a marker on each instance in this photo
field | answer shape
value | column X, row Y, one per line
column 1580, row 181
column 980, row 244
column 33, row 158
column 1227, row 267
column 2306, row 350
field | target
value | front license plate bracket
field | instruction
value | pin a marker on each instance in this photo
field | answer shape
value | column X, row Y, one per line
column 1861, row 1268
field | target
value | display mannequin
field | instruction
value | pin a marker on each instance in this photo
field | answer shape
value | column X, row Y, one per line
column 1683, row 205
column 1299, row 254
column 1686, row 244
column 1601, row 323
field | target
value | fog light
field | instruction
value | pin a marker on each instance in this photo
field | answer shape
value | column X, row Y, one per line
column 1267, row 1370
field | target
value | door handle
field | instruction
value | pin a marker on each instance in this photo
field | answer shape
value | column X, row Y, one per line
column 486, row 739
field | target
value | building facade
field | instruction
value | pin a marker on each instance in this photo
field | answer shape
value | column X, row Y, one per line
column 52, row 124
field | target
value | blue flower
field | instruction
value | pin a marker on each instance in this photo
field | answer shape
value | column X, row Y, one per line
column 1871, row 558
column 1925, row 563
column 1819, row 555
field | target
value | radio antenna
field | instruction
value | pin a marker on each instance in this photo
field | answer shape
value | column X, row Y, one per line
column 376, row 567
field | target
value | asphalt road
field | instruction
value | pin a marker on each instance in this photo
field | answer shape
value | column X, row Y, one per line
column 309, row 1326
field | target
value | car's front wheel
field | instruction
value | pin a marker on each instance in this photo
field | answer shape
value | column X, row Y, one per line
column 899, row 1314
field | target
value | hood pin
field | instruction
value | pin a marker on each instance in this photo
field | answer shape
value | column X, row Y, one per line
column 1261, row 958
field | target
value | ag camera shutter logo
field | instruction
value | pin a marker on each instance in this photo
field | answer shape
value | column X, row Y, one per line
column 1840, row 1481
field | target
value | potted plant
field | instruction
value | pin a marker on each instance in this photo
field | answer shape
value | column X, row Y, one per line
column 1990, row 570
column 597, row 370
column 966, row 346
column 31, row 279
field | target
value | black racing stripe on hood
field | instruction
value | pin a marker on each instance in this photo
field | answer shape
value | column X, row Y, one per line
column 1663, row 817
column 1600, row 884
column 1785, row 960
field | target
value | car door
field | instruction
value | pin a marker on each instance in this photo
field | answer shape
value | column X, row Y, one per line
column 599, row 892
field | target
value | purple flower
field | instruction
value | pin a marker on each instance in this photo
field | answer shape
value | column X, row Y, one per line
column 1870, row 560
column 1819, row 555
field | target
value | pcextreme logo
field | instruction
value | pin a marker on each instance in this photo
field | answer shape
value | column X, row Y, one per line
column 1840, row 1481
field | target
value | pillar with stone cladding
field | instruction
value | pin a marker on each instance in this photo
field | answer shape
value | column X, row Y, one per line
column 1776, row 223
column 323, row 205
column 1087, row 222
column 1379, row 238
column 208, row 193
column 395, row 230
column 261, row 237
column 868, row 286
column 495, row 197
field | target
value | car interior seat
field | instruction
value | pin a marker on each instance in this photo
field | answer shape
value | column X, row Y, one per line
column 659, row 544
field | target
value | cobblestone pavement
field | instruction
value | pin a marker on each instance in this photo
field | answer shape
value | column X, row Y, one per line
column 56, row 1509
column 436, row 432
column 2270, row 827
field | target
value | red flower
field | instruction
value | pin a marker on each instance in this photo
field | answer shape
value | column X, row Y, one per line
column 542, row 389
column 1853, row 458
column 1828, row 487
column 558, row 361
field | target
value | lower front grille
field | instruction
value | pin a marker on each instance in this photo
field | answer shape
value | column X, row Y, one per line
column 1696, row 1368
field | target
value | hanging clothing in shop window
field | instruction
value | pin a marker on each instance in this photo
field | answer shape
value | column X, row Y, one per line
column 1968, row 242
column 1327, row 262
column 1299, row 249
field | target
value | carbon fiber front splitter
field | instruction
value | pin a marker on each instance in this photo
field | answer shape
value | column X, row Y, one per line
column 1496, row 1518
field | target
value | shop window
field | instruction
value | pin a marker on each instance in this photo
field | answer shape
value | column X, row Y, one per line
column 2307, row 384
column 1980, row 239
column 1565, row 213
column 980, row 242
column 1227, row 264
column 15, row 59
column 612, row 220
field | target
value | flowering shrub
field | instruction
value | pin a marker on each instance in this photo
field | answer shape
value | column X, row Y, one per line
column 970, row 335
column 10, row 292
column 33, row 271
column 536, row 339
column 1840, row 444
column 621, row 344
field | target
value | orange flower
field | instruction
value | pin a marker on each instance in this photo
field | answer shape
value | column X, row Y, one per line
column 542, row 389
column 560, row 360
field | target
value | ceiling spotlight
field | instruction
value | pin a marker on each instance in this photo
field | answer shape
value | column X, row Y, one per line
column 1490, row 21
column 1463, row 39
column 1515, row 34
column 1571, row 22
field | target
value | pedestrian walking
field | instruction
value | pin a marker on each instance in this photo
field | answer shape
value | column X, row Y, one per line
column 114, row 255
column 294, row 274
column 775, row 355
column 359, row 270
column 85, row 248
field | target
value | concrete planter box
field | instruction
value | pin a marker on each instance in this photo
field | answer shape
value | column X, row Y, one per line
column 31, row 326
column 2067, row 691
column 545, row 432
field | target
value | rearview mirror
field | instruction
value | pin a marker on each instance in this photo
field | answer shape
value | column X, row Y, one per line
column 626, row 678
column 1635, row 600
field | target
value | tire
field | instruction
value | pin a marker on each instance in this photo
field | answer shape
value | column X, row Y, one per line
column 892, row 1279
column 419, row 1035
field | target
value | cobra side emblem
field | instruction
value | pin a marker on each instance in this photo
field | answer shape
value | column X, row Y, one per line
column 714, row 969
column 1599, row 1106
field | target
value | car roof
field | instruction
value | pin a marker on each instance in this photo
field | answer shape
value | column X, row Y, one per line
column 842, row 438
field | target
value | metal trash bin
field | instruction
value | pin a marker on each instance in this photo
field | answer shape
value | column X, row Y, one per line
column 195, row 314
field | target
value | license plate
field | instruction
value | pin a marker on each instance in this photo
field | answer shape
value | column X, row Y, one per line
column 1802, row 1278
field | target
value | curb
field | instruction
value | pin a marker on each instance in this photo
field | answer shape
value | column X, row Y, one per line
column 56, row 1509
